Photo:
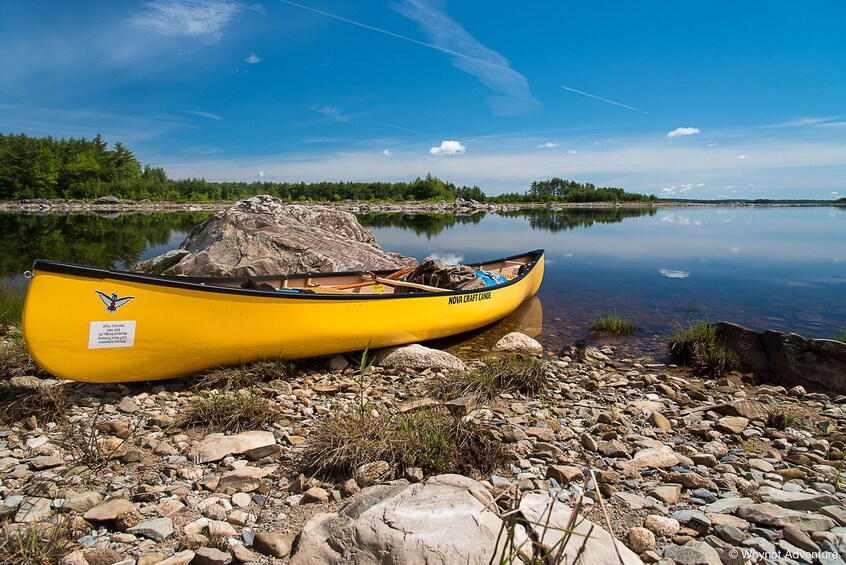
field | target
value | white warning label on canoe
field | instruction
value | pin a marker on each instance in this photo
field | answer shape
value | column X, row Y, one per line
column 103, row 335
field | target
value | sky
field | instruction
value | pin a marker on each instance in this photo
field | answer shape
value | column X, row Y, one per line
column 696, row 99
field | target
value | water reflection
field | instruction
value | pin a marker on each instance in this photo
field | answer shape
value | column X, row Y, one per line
column 429, row 225
column 88, row 239
column 572, row 218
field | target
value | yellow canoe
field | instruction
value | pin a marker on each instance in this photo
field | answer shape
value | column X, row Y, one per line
column 97, row 325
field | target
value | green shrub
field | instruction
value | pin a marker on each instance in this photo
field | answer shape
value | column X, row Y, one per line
column 234, row 411
column 512, row 373
column 431, row 439
column 612, row 324
column 699, row 347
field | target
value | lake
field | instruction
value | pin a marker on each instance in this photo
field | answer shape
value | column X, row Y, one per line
column 781, row 268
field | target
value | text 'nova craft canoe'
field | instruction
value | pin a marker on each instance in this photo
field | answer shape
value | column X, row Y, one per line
column 97, row 325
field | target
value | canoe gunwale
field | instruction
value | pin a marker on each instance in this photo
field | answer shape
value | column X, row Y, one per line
column 207, row 284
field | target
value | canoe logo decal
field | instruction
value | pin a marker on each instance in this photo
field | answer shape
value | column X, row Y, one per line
column 113, row 302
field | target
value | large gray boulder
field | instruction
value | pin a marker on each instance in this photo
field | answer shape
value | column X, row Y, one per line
column 263, row 236
column 447, row 519
column 788, row 359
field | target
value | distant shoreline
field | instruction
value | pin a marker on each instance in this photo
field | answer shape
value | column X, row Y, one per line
column 462, row 207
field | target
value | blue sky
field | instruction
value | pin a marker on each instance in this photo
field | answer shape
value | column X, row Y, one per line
column 697, row 99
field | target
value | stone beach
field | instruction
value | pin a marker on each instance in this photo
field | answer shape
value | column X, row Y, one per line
column 678, row 469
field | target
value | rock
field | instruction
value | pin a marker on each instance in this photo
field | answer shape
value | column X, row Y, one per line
column 669, row 494
column 181, row 558
column 771, row 515
column 404, row 523
column 74, row 558
column 460, row 407
column 651, row 458
column 45, row 462
column 641, row 540
column 761, row 465
column 836, row 512
column 550, row 526
column 315, row 494
column 693, row 553
column 157, row 529
column 745, row 408
column 564, row 474
column 211, row 556
column 217, row 447
column 517, row 342
column 413, row 474
column 800, row 539
column 658, row 420
column 613, row 448
column 797, row 500
column 661, row 526
column 127, row 405
column 109, row 510
column 246, row 479
column 732, row 424
column 416, row 356
column 33, row 509
column 261, row 235
column 273, row 544
column 788, row 359
column 103, row 556
column 370, row 473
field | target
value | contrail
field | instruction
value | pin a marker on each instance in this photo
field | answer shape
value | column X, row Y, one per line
column 398, row 36
column 598, row 98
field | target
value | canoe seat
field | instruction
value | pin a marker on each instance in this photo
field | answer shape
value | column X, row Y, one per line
column 328, row 290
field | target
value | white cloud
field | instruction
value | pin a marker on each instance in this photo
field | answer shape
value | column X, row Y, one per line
column 448, row 147
column 261, row 173
column 387, row 153
column 205, row 115
column 253, row 59
column 511, row 89
column 741, row 157
column 334, row 113
column 193, row 18
column 683, row 131
column 572, row 151
column 547, row 145
column 673, row 274
column 835, row 193
column 713, row 144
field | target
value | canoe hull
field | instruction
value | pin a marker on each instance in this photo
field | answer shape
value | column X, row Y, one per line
column 170, row 330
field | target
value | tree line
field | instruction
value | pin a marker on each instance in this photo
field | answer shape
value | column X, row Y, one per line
column 82, row 169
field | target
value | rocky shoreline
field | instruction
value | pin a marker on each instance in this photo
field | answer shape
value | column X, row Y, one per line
column 111, row 205
column 679, row 469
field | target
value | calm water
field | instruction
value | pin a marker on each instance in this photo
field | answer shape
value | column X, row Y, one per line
column 767, row 268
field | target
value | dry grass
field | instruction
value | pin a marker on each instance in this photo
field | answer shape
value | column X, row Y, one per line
column 512, row 373
column 245, row 376
column 234, row 411
column 86, row 442
column 36, row 544
column 15, row 360
column 45, row 403
column 431, row 439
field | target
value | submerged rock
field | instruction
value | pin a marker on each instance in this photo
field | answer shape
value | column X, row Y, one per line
column 262, row 235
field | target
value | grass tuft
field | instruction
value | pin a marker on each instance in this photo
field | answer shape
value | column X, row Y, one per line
column 781, row 419
column 841, row 337
column 612, row 324
column 36, row 544
column 245, row 376
column 45, row 403
column 699, row 347
column 431, row 439
column 234, row 411
column 12, row 294
column 512, row 373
